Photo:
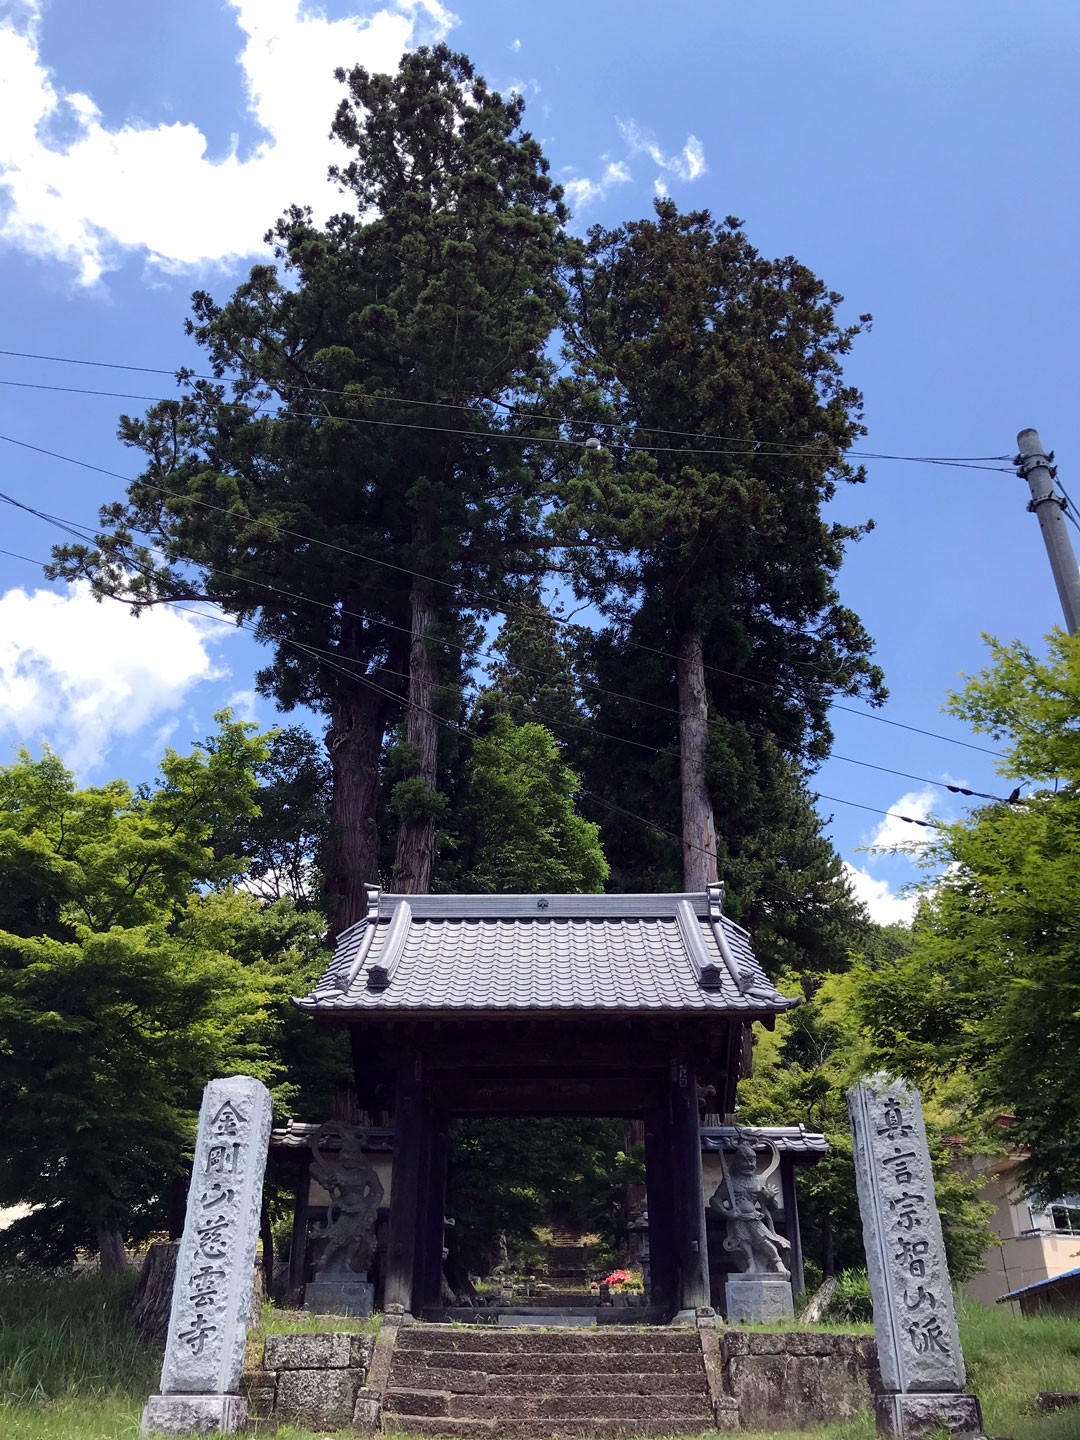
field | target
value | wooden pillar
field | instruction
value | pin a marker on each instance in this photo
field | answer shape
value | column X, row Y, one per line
column 791, row 1224
column 427, row 1272
column 660, row 1196
column 409, row 1147
column 691, row 1244
column 298, row 1244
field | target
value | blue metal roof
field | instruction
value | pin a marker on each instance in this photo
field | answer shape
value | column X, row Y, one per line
column 1039, row 1285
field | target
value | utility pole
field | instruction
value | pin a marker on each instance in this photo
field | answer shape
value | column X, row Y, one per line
column 1035, row 466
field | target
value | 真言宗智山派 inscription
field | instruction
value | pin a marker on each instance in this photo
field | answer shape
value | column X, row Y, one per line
column 918, row 1343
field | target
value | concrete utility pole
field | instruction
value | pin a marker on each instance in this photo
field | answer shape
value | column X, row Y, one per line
column 1035, row 466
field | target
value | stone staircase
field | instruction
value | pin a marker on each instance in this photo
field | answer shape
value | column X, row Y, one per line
column 538, row 1384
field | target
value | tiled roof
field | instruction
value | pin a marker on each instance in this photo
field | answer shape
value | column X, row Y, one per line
column 788, row 1139
column 296, row 1135
column 569, row 953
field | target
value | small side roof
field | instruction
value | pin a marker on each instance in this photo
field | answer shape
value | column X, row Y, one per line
column 1046, row 1284
column 440, row 954
column 805, row 1146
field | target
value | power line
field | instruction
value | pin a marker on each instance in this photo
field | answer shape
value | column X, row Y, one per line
column 336, row 663
column 751, row 448
column 496, row 604
column 86, row 532
column 750, row 444
column 74, row 528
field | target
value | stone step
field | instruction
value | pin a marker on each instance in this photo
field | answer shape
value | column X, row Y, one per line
column 540, row 1429
column 678, row 1410
column 654, row 1339
column 588, row 1360
column 411, row 1376
column 692, row 1382
column 567, row 1255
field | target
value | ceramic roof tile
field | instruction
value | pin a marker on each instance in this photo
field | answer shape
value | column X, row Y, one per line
column 521, row 953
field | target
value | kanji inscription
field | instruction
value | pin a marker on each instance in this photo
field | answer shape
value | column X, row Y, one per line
column 918, row 1344
column 204, row 1353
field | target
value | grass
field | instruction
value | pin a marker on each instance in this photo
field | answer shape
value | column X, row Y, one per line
column 72, row 1369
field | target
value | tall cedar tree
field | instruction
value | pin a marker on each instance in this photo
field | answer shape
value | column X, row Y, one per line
column 440, row 290
column 729, row 365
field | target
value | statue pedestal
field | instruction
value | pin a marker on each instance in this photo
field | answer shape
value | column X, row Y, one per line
column 758, row 1298
column 340, row 1297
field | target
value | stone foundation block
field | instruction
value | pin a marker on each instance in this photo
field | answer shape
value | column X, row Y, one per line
column 758, row 1298
column 340, row 1297
column 367, row 1411
column 309, row 1352
column 361, row 1349
column 261, row 1404
column 790, row 1380
column 1047, row 1400
column 317, row 1399
column 727, row 1413
column 194, row 1415
column 911, row 1416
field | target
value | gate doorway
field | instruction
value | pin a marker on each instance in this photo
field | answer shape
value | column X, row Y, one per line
column 628, row 1007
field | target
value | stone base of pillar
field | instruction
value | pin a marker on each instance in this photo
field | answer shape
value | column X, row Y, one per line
column 758, row 1298
column 911, row 1416
column 194, row 1415
column 340, row 1297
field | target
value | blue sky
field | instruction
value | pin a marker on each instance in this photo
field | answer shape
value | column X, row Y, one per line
column 922, row 158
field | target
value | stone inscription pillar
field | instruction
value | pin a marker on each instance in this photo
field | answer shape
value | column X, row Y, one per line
column 204, row 1354
column 922, row 1365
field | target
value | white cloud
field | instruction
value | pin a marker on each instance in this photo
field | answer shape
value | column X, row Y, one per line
column 153, row 187
column 686, row 164
column 884, row 905
column 242, row 704
column 82, row 675
column 582, row 192
column 896, row 831
column 515, row 45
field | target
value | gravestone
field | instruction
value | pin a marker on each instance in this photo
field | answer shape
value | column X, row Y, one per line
column 204, row 1352
column 922, row 1364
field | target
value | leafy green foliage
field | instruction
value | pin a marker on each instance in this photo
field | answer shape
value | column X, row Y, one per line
column 131, row 973
column 803, row 1069
column 991, row 990
column 513, row 1175
column 518, row 829
column 284, row 840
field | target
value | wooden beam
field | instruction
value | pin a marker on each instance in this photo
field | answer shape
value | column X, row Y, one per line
column 427, row 1270
column 691, row 1242
column 298, row 1244
column 529, row 1051
column 660, row 1198
column 616, row 1096
column 409, row 1141
column 792, row 1231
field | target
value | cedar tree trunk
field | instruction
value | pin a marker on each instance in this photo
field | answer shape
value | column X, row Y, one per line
column 354, row 742
column 698, row 828
column 415, row 858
